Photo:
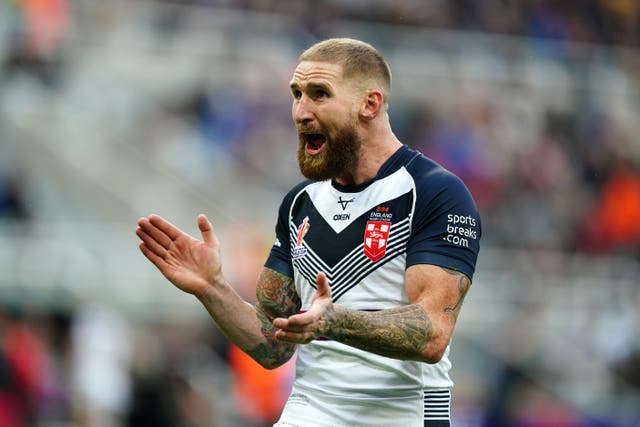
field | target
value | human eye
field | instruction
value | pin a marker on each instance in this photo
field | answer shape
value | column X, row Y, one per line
column 296, row 93
column 321, row 93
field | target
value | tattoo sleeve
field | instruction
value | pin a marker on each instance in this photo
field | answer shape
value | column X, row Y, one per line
column 400, row 332
column 277, row 297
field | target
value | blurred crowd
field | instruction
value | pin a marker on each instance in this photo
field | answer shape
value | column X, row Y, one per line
column 89, row 366
column 575, row 186
column 559, row 179
column 592, row 21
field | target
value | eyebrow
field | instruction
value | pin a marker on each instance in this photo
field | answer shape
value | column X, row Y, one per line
column 310, row 86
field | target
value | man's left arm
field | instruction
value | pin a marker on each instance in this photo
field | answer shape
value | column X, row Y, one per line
column 420, row 330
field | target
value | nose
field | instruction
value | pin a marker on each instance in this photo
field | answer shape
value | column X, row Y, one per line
column 301, row 110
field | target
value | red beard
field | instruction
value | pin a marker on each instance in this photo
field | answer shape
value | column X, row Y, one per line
column 339, row 158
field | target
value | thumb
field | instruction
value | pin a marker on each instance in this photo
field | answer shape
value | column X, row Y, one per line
column 206, row 229
column 323, row 285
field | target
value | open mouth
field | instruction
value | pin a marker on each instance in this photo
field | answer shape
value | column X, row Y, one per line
column 315, row 143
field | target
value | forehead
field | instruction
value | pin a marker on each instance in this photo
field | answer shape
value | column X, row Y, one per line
column 316, row 72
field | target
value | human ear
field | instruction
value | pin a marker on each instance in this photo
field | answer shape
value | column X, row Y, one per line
column 372, row 104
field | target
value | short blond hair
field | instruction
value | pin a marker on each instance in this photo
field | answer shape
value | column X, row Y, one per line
column 359, row 61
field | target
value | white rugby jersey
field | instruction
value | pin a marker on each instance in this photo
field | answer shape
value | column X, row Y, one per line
column 364, row 237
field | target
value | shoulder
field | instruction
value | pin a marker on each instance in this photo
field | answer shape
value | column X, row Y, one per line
column 298, row 188
column 432, row 180
column 446, row 227
column 295, row 192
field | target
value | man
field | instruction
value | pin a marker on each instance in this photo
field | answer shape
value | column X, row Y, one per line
column 373, row 257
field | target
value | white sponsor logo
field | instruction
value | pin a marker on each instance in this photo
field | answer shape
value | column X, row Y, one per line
column 461, row 228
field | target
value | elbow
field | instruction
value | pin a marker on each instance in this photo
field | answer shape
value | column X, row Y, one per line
column 269, row 364
column 272, row 358
column 434, row 351
column 432, row 357
column 437, row 344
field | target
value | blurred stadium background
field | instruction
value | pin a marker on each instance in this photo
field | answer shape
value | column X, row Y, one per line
column 111, row 110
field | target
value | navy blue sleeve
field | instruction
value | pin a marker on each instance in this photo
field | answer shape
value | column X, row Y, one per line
column 280, row 256
column 446, row 228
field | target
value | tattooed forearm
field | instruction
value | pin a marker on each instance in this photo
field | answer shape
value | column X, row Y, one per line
column 276, row 294
column 277, row 297
column 463, row 287
column 401, row 332
column 271, row 353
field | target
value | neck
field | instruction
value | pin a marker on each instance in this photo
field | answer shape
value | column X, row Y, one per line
column 374, row 151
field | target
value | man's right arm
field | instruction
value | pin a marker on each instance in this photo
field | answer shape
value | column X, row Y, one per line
column 194, row 266
column 250, row 327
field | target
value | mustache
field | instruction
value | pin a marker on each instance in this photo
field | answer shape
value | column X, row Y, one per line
column 309, row 129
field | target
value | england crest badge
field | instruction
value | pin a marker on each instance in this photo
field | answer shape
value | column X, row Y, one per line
column 376, row 235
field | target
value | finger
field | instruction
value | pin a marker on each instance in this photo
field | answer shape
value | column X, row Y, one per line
column 283, row 336
column 323, row 288
column 150, row 243
column 155, row 259
column 155, row 233
column 280, row 323
column 206, row 229
column 297, row 322
column 165, row 226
